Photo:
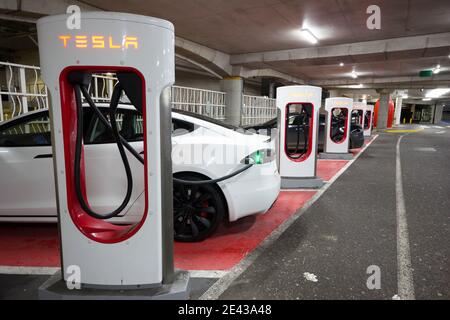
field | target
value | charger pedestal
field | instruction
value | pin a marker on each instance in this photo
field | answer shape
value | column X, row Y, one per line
column 299, row 127
column 55, row 288
column 114, row 261
column 337, row 133
column 336, row 156
column 301, row 183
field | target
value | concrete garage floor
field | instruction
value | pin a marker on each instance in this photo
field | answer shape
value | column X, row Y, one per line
column 352, row 226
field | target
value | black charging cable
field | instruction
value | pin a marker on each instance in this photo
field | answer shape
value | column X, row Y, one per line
column 296, row 155
column 78, row 148
column 121, row 142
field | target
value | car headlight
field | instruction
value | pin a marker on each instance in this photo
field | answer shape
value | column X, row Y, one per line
column 260, row 157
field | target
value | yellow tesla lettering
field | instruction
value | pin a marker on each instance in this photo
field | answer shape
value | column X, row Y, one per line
column 99, row 42
column 81, row 41
column 112, row 45
column 131, row 41
column 64, row 39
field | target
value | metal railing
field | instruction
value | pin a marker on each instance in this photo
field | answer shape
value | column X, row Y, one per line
column 21, row 90
column 204, row 102
column 102, row 86
column 257, row 110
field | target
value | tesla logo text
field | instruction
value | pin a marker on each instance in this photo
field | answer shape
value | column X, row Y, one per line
column 302, row 94
column 98, row 42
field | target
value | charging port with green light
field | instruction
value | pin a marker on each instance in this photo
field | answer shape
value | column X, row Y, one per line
column 260, row 157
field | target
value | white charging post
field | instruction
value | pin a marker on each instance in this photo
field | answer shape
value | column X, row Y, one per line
column 95, row 252
column 299, row 125
column 360, row 108
column 337, row 133
column 368, row 120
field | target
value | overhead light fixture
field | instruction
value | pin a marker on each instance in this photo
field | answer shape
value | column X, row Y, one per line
column 309, row 36
column 354, row 74
column 405, row 96
column 426, row 99
column 341, row 64
column 436, row 93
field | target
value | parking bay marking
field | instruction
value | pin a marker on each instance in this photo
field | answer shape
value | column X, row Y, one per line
column 405, row 282
column 219, row 287
column 18, row 270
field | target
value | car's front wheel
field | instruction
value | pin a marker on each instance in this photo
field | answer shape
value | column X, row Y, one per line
column 198, row 209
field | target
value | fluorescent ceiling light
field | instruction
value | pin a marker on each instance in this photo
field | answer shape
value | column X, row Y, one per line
column 436, row 93
column 341, row 64
column 426, row 99
column 308, row 35
column 354, row 74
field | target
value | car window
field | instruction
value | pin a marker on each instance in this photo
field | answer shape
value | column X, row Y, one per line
column 30, row 132
column 180, row 127
column 129, row 122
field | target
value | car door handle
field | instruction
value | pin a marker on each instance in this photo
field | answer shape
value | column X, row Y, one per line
column 43, row 156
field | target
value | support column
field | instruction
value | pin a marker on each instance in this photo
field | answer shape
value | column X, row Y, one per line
column 438, row 110
column 398, row 110
column 334, row 93
column 234, row 88
column 383, row 110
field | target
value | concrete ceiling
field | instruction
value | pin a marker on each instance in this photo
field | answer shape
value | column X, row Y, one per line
column 244, row 29
column 236, row 26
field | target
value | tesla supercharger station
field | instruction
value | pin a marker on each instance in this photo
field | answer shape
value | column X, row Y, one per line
column 360, row 109
column 299, row 126
column 368, row 120
column 140, row 51
column 337, row 134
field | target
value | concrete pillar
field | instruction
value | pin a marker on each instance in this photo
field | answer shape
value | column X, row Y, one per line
column 398, row 110
column 438, row 113
column 334, row 93
column 383, row 109
column 234, row 88
column 272, row 90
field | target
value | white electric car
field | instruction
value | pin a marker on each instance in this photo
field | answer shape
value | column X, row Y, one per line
column 202, row 148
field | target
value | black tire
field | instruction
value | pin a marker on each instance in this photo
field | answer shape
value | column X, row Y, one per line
column 198, row 209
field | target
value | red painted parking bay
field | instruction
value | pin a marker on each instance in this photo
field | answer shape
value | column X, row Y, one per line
column 234, row 241
column 37, row 245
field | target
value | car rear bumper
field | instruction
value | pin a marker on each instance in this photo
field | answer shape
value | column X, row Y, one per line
column 252, row 192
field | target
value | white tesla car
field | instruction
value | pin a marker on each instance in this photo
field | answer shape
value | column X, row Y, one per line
column 202, row 148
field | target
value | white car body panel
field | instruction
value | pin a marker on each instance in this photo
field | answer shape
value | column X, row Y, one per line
column 27, row 185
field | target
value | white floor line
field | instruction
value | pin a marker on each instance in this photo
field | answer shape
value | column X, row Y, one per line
column 12, row 270
column 218, row 288
column 28, row 270
column 405, row 282
column 208, row 273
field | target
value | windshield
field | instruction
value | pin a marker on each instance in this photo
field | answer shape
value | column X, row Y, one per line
column 206, row 118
